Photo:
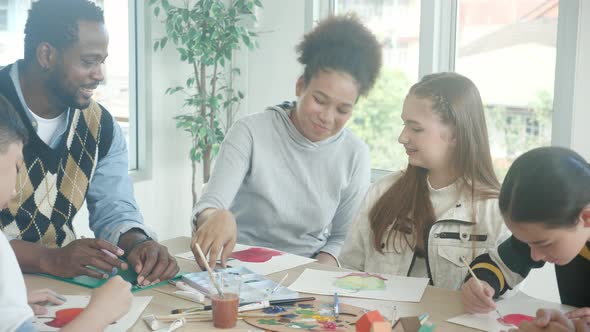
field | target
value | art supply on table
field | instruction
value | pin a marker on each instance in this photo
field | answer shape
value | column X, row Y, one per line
column 280, row 283
column 254, row 287
column 204, row 260
column 128, row 275
column 310, row 315
column 336, row 305
column 224, row 306
column 500, row 316
column 188, row 296
column 361, row 285
column 261, row 260
column 518, row 305
column 247, row 306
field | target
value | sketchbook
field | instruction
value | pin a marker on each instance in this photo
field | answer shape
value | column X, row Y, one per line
column 361, row 284
column 255, row 287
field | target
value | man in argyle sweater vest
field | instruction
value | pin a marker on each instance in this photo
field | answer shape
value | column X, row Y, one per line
column 55, row 183
column 76, row 152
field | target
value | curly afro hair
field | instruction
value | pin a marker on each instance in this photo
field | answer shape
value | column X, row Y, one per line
column 342, row 43
column 56, row 22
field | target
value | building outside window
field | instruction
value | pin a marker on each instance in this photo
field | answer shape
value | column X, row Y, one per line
column 508, row 49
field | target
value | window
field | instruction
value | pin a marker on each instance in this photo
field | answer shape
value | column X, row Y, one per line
column 377, row 118
column 508, row 49
column 4, row 10
column 116, row 92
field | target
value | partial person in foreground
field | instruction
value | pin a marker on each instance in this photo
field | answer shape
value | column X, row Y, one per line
column 545, row 202
column 423, row 221
column 76, row 153
column 108, row 303
column 292, row 177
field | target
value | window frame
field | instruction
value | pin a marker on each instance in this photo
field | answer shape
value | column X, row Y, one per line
column 437, row 52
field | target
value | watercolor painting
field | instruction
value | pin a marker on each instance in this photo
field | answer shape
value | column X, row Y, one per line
column 255, row 287
column 361, row 281
column 515, row 319
column 514, row 310
column 60, row 315
column 311, row 316
column 361, row 285
column 64, row 316
column 259, row 260
column 255, row 255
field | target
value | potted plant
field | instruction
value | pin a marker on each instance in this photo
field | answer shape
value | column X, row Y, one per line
column 206, row 33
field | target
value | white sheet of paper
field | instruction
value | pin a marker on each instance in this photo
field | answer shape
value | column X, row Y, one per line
column 520, row 303
column 396, row 288
column 275, row 264
column 81, row 301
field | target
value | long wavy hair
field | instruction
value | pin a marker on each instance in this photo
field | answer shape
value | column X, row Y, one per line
column 405, row 211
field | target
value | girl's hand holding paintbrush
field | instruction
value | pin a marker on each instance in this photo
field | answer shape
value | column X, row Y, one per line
column 477, row 295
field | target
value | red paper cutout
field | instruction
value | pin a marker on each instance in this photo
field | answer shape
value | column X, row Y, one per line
column 516, row 319
column 64, row 317
column 255, row 255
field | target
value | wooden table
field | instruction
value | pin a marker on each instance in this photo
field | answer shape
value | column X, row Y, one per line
column 439, row 303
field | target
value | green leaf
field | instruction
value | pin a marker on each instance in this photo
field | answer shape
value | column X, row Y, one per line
column 156, row 45
column 156, row 11
column 240, row 94
column 163, row 42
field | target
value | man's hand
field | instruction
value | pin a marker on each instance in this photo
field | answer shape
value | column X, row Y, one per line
column 216, row 232
column 37, row 299
column 152, row 262
column 73, row 259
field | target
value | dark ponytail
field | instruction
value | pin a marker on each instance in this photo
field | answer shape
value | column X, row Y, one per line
column 550, row 185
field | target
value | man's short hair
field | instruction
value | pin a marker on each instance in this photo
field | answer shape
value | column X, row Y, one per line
column 56, row 22
column 12, row 129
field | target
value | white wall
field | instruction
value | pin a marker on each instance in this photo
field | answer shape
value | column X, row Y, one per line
column 269, row 73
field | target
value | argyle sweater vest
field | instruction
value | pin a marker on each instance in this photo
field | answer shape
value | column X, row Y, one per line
column 53, row 184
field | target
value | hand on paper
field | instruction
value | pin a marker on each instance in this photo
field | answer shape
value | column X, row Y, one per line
column 581, row 314
column 476, row 298
column 548, row 320
column 152, row 262
column 73, row 259
column 38, row 298
column 216, row 232
column 325, row 258
column 108, row 303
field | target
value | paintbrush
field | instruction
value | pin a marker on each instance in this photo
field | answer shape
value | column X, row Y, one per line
column 202, row 256
column 479, row 283
column 280, row 283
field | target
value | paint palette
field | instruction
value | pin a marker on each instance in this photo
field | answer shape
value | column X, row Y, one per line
column 255, row 287
column 310, row 316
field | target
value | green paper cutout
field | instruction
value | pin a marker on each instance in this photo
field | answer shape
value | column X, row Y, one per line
column 128, row 275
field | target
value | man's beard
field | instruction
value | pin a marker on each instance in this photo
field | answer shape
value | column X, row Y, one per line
column 68, row 99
